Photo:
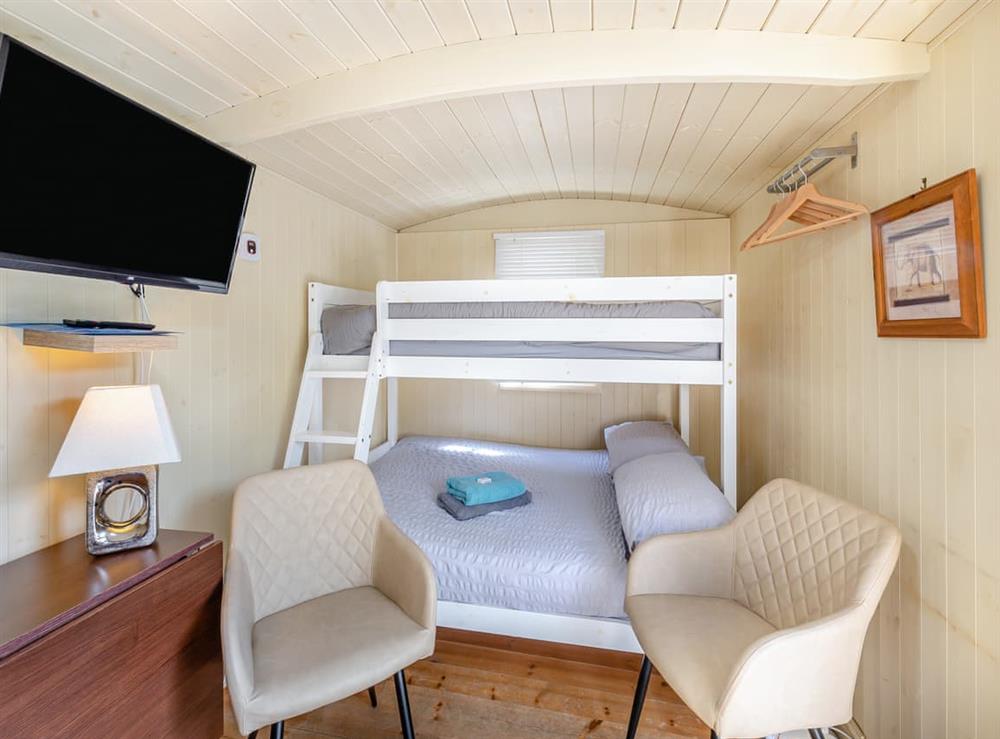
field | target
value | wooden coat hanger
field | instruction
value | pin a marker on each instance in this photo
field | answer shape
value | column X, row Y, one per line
column 807, row 206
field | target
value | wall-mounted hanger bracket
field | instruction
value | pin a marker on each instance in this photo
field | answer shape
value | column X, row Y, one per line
column 806, row 206
column 800, row 172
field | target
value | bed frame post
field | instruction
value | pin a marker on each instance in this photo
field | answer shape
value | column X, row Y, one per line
column 684, row 411
column 728, row 400
column 369, row 401
column 316, row 425
column 314, row 309
column 391, row 383
column 392, row 410
column 376, row 372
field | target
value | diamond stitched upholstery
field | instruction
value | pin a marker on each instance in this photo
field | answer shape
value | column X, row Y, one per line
column 801, row 554
column 306, row 532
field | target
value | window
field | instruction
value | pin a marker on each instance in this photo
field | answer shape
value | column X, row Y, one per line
column 549, row 254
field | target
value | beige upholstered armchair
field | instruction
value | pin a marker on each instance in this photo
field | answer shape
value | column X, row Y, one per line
column 758, row 625
column 323, row 596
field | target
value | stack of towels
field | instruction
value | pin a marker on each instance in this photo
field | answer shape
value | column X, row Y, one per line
column 477, row 495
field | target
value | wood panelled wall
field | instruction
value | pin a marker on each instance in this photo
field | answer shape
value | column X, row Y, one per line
column 482, row 410
column 905, row 427
column 230, row 387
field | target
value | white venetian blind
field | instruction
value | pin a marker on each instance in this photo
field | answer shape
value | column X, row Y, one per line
column 552, row 254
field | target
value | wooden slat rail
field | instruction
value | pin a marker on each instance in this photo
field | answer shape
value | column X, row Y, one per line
column 649, row 371
column 601, row 289
column 556, row 329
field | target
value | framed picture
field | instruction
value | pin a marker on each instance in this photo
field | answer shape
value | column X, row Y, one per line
column 927, row 256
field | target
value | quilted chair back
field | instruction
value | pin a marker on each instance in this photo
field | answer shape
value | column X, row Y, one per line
column 801, row 554
column 305, row 532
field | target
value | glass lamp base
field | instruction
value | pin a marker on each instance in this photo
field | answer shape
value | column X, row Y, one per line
column 121, row 509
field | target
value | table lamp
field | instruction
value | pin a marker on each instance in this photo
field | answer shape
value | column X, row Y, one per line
column 118, row 436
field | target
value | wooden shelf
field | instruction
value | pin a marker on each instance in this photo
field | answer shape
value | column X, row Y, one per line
column 99, row 343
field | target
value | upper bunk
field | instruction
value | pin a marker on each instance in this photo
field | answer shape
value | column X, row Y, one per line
column 660, row 330
column 609, row 316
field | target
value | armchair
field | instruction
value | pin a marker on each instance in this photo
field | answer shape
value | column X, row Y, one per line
column 758, row 625
column 324, row 596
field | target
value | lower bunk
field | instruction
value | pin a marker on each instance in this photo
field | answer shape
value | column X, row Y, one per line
column 555, row 569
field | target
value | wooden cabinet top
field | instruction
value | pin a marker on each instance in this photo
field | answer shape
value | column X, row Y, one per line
column 42, row 591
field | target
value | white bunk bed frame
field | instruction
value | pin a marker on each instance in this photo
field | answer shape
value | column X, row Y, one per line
column 380, row 365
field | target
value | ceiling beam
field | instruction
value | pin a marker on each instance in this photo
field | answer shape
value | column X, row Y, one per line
column 568, row 59
column 557, row 213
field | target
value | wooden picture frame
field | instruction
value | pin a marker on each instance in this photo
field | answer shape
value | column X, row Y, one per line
column 927, row 257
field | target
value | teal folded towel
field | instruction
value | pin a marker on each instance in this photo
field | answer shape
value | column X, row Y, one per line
column 488, row 487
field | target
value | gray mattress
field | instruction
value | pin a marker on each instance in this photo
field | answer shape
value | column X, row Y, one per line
column 563, row 553
column 348, row 329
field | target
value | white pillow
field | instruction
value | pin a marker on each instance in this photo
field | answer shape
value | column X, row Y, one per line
column 667, row 494
column 635, row 439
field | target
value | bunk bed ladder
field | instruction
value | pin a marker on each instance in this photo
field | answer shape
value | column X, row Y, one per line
column 307, row 421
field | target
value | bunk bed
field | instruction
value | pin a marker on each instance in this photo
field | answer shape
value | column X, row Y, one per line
column 555, row 570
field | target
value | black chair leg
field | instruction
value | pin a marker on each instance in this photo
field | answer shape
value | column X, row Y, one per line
column 278, row 730
column 372, row 697
column 640, row 697
column 816, row 734
column 252, row 734
column 714, row 735
column 403, row 700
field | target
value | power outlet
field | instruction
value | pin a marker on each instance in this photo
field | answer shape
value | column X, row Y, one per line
column 249, row 247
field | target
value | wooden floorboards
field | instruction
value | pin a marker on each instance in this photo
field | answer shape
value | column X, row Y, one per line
column 481, row 687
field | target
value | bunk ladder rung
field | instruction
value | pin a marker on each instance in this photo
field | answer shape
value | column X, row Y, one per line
column 336, row 374
column 326, row 437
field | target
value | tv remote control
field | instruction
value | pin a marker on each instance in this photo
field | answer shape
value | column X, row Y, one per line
column 84, row 323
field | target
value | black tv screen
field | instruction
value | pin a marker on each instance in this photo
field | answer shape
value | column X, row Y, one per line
column 93, row 184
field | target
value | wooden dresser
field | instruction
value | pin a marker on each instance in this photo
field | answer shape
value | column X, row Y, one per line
column 123, row 645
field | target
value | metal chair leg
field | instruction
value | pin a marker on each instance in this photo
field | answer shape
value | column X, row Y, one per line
column 278, row 730
column 372, row 697
column 816, row 734
column 403, row 701
column 640, row 697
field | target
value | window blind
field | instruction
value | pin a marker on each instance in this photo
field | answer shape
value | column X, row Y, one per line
column 549, row 254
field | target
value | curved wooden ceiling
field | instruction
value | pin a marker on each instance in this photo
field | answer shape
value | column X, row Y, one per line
column 705, row 145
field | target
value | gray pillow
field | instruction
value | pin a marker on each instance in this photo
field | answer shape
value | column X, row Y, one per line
column 635, row 439
column 347, row 329
column 667, row 494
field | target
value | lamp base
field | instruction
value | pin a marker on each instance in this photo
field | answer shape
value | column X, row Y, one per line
column 121, row 509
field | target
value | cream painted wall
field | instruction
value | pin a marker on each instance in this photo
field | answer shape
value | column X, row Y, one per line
column 908, row 428
column 230, row 387
column 480, row 409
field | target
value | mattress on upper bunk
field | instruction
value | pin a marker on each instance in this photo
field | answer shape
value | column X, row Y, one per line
column 562, row 553
column 348, row 329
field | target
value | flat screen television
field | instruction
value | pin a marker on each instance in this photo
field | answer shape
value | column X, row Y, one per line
column 95, row 185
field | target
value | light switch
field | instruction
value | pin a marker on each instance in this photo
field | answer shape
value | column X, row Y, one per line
column 249, row 247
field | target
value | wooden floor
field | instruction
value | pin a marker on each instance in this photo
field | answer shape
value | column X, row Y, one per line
column 484, row 687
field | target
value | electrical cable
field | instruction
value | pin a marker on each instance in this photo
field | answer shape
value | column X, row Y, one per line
column 145, row 371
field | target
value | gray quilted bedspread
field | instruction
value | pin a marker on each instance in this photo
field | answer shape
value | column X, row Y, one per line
column 563, row 553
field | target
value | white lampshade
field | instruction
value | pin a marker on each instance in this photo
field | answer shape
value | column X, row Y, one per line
column 118, row 427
